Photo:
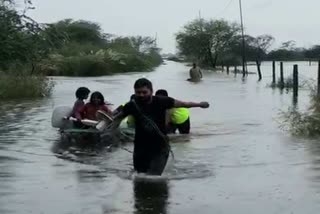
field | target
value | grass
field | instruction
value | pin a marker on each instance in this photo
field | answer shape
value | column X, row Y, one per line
column 306, row 123
column 287, row 83
column 24, row 86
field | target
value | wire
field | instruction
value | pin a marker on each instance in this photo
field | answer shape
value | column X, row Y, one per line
column 226, row 8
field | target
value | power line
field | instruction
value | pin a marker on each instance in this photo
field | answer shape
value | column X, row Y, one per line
column 226, row 8
column 221, row 12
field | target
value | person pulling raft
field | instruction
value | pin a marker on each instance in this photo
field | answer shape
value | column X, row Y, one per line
column 151, row 144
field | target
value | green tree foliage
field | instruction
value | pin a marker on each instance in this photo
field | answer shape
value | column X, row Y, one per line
column 313, row 52
column 21, row 40
column 207, row 41
column 218, row 42
column 68, row 47
column 29, row 51
column 287, row 51
column 257, row 48
column 86, row 51
column 22, row 45
column 77, row 31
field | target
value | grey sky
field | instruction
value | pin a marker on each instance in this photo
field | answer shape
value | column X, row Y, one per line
column 284, row 19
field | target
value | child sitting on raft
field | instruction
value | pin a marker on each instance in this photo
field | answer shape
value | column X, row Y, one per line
column 82, row 94
column 89, row 110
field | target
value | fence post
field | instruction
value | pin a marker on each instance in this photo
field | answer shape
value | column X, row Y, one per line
column 274, row 72
column 319, row 78
column 228, row 69
column 281, row 75
column 235, row 70
column 295, row 81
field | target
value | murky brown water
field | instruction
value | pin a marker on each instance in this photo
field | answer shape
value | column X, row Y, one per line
column 235, row 161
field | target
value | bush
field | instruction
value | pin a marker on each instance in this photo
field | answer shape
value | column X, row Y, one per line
column 87, row 65
column 99, row 62
column 304, row 123
column 24, row 86
column 287, row 83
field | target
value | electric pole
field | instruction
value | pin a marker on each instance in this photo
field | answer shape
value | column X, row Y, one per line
column 243, row 43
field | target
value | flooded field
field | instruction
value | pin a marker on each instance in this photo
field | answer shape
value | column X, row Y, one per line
column 236, row 160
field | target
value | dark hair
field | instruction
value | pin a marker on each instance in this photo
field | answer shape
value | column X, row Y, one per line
column 98, row 95
column 162, row 92
column 82, row 93
column 143, row 82
column 194, row 64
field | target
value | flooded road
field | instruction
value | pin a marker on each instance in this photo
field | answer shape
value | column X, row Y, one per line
column 237, row 160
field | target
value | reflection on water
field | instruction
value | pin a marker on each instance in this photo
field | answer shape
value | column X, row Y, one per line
column 91, row 176
column 150, row 196
column 314, row 149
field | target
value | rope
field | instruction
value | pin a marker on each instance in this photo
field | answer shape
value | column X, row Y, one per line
column 31, row 153
column 120, row 147
column 164, row 137
column 127, row 150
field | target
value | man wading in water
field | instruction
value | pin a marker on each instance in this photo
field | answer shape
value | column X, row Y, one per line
column 195, row 73
column 151, row 145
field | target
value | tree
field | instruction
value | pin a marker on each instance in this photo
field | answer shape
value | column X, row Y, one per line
column 287, row 51
column 313, row 52
column 222, row 36
column 259, row 47
column 193, row 42
column 21, row 40
column 288, row 45
column 143, row 43
column 206, row 41
column 80, row 31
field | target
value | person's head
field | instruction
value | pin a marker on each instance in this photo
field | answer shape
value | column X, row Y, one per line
column 82, row 93
column 162, row 92
column 143, row 90
column 194, row 65
column 97, row 98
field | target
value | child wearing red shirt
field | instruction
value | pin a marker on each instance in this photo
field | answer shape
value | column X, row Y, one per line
column 89, row 110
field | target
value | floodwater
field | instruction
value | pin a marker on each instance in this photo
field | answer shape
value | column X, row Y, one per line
column 237, row 159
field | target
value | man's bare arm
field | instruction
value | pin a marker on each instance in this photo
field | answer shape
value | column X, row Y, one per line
column 183, row 104
column 117, row 119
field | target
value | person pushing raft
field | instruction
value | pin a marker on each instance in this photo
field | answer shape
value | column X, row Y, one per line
column 176, row 118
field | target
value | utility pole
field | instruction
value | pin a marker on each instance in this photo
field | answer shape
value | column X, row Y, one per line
column 156, row 39
column 201, row 29
column 243, row 43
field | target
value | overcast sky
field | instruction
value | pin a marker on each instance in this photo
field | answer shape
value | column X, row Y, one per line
column 284, row 19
